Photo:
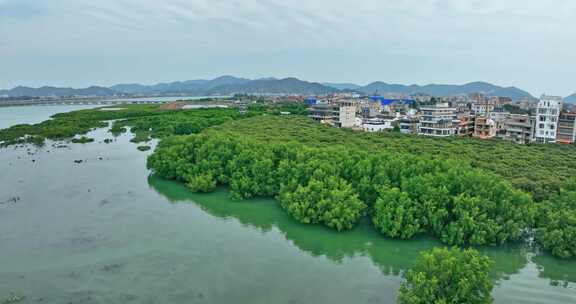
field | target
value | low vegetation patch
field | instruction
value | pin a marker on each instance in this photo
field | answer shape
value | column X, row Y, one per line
column 144, row 148
column 12, row 299
column 82, row 140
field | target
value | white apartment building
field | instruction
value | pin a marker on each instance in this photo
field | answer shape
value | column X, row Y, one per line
column 483, row 107
column 547, row 114
column 440, row 121
column 345, row 114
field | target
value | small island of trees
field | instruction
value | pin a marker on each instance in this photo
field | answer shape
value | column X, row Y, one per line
column 442, row 276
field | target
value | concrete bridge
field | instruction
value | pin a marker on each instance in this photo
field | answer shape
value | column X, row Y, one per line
column 53, row 102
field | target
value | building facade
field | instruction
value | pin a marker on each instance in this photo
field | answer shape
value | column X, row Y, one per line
column 409, row 125
column 483, row 107
column 379, row 124
column 547, row 114
column 466, row 124
column 341, row 114
column 484, row 128
column 370, row 108
column 566, row 128
column 519, row 128
column 439, row 120
column 321, row 112
column 345, row 114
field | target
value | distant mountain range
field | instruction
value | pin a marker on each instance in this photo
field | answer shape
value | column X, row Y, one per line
column 225, row 85
column 192, row 87
column 54, row 91
column 436, row 89
column 344, row 86
column 228, row 85
column 571, row 99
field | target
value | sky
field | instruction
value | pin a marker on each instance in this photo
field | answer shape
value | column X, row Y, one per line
column 530, row 44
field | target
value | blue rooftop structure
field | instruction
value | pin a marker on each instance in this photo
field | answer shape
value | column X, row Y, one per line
column 310, row 101
column 386, row 101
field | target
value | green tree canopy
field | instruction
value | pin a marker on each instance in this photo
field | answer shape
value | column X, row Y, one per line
column 556, row 223
column 443, row 276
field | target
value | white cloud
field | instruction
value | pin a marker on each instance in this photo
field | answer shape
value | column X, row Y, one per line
column 469, row 39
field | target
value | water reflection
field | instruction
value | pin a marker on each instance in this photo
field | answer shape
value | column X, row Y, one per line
column 391, row 256
column 560, row 272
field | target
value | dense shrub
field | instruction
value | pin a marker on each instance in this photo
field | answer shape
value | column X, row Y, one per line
column 443, row 276
column 556, row 223
column 336, row 186
column 396, row 215
column 331, row 201
column 202, row 183
column 538, row 169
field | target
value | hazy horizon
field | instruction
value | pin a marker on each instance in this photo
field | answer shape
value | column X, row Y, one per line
column 72, row 43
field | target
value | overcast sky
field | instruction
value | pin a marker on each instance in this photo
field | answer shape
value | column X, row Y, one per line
column 530, row 44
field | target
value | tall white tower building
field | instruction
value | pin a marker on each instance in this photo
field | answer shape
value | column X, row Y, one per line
column 547, row 115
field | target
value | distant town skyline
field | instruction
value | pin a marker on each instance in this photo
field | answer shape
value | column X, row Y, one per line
column 73, row 43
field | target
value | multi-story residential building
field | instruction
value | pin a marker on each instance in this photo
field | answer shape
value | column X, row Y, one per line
column 502, row 101
column 242, row 107
column 409, row 125
column 547, row 115
column 477, row 97
column 527, row 103
column 345, row 116
column 462, row 106
column 465, row 126
column 483, row 107
column 369, row 108
column 500, row 128
column 379, row 124
column 566, row 128
column 341, row 114
column 519, row 128
column 321, row 112
column 439, row 120
column 484, row 128
column 499, row 116
column 422, row 98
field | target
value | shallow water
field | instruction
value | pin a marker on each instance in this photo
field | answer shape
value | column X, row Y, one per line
column 104, row 231
column 163, row 98
column 10, row 116
column 186, row 107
